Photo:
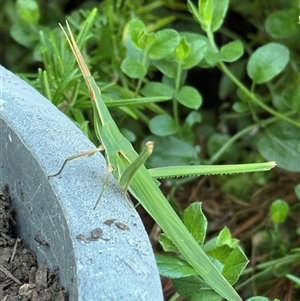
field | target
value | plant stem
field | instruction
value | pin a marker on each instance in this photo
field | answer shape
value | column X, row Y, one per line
column 256, row 100
column 235, row 137
column 175, row 102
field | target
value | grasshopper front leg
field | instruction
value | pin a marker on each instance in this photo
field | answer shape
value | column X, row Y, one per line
column 131, row 170
column 81, row 154
column 128, row 174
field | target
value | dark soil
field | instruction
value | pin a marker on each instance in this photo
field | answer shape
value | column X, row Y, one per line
column 20, row 277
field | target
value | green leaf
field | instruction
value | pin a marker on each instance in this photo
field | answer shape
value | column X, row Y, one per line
column 157, row 89
column 234, row 265
column 182, row 50
column 283, row 23
column 133, row 68
column 165, row 42
column 231, row 51
column 212, row 57
column 136, row 29
column 133, row 52
column 227, row 252
column 195, row 289
column 28, row 10
column 193, row 117
column 171, row 149
column 186, row 129
column 167, row 244
column 280, row 142
column 279, row 211
column 224, row 238
column 193, row 9
column 189, row 97
column 220, row 253
column 258, row 299
column 162, row 125
column 168, row 68
column 173, row 267
column 146, row 40
column 197, row 47
column 23, row 35
column 212, row 13
column 195, row 221
column 219, row 11
column 240, row 107
column 267, row 62
column 283, row 100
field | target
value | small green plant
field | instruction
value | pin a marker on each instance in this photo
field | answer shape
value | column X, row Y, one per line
column 282, row 258
column 223, row 249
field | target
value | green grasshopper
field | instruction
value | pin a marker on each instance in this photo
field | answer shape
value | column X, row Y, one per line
column 128, row 168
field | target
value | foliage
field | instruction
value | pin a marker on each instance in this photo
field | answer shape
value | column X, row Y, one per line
column 223, row 250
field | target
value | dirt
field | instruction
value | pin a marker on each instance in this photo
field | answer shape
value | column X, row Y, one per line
column 20, row 277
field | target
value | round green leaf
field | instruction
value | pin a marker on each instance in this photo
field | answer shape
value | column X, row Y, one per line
column 240, row 107
column 136, row 30
column 283, row 23
column 189, row 97
column 280, row 142
column 133, row 68
column 165, row 42
column 146, row 40
column 258, row 299
column 212, row 57
column 197, row 47
column 267, row 62
column 193, row 117
column 167, row 68
column 157, row 89
column 162, row 125
column 23, row 35
column 28, row 10
column 232, row 51
column 279, row 210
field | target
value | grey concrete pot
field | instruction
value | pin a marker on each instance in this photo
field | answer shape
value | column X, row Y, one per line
column 55, row 217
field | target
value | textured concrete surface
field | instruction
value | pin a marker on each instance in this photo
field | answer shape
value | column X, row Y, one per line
column 35, row 139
